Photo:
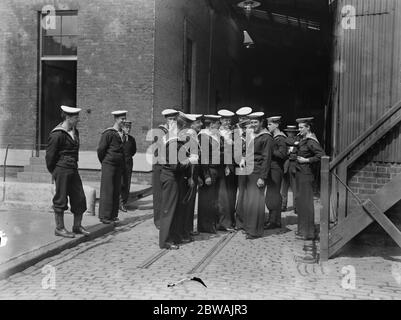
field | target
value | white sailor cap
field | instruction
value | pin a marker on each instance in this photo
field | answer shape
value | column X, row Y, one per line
column 291, row 128
column 70, row 110
column 244, row 111
column 170, row 112
column 305, row 120
column 256, row 115
column 274, row 119
column 193, row 117
column 225, row 113
column 212, row 117
column 119, row 113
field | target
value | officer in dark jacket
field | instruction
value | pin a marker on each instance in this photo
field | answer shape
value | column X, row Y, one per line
column 62, row 163
column 111, row 155
column 273, row 188
column 129, row 146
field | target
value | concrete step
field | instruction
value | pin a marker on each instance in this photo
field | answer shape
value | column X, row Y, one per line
column 37, row 195
column 34, row 177
column 36, row 168
column 37, row 160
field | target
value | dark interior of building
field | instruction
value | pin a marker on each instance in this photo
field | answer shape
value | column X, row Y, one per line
column 286, row 62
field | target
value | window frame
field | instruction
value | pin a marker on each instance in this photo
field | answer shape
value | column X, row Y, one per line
column 41, row 38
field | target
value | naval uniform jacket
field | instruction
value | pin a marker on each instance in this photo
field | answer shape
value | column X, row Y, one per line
column 279, row 151
column 110, row 150
column 262, row 154
column 211, row 167
column 309, row 148
column 129, row 148
column 62, row 149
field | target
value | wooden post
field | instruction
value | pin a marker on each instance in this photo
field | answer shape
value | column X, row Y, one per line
column 325, row 210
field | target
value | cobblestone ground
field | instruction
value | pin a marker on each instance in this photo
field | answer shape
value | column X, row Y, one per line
column 267, row 268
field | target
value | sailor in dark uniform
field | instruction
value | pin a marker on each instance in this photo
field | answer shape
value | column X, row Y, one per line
column 156, row 183
column 289, row 168
column 170, row 234
column 111, row 155
column 192, row 175
column 129, row 146
column 211, row 171
column 273, row 187
column 309, row 152
column 241, row 129
column 257, row 166
column 62, row 163
column 228, row 185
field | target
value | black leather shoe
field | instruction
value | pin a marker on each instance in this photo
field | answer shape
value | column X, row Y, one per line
column 249, row 237
column 271, row 225
column 80, row 230
column 194, row 233
column 64, row 233
column 188, row 240
column 123, row 208
column 106, row 221
column 115, row 219
column 171, row 246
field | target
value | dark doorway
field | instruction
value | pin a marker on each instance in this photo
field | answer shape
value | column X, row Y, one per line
column 286, row 67
column 59, row 87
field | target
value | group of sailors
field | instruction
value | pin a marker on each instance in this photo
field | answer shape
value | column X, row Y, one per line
column 234, row 189
column 115, row 151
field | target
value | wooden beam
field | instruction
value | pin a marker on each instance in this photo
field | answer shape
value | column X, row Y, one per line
column 374, row 140
column 343, row 232
column 388, row 195
column 364, row 135
column 382, row 219
column 325, row 210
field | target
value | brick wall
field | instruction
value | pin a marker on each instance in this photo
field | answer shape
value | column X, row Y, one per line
column 176, row 19
column 115, row 66
column 18, row 72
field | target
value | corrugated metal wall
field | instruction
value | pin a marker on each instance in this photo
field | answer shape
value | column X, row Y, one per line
column 366, row 77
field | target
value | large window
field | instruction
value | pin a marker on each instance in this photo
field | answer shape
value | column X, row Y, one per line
column 61, row 38
column 58, row 68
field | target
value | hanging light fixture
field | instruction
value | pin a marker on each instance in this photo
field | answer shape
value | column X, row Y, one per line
column 248, row 42
column 248, row 5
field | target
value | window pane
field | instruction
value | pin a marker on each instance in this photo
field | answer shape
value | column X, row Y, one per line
column 51, row 32
column 69, row 25
column 51, row 45
column 69, row 45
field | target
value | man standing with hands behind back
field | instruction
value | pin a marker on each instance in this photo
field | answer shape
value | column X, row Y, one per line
column 111, row 155
column 129, row 146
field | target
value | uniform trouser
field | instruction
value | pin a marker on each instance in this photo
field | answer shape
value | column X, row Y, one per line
column 110, row 186
column 226, row 201
column 288, row 181
column 126, row 182
column 239, row 210
column 305, row 207
column 157, row 193
column 169, row 201
column 273, row 195
column 180, row 216
column 189, row 214
column 68, row 185
column 208, row 211
column 254, row 206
